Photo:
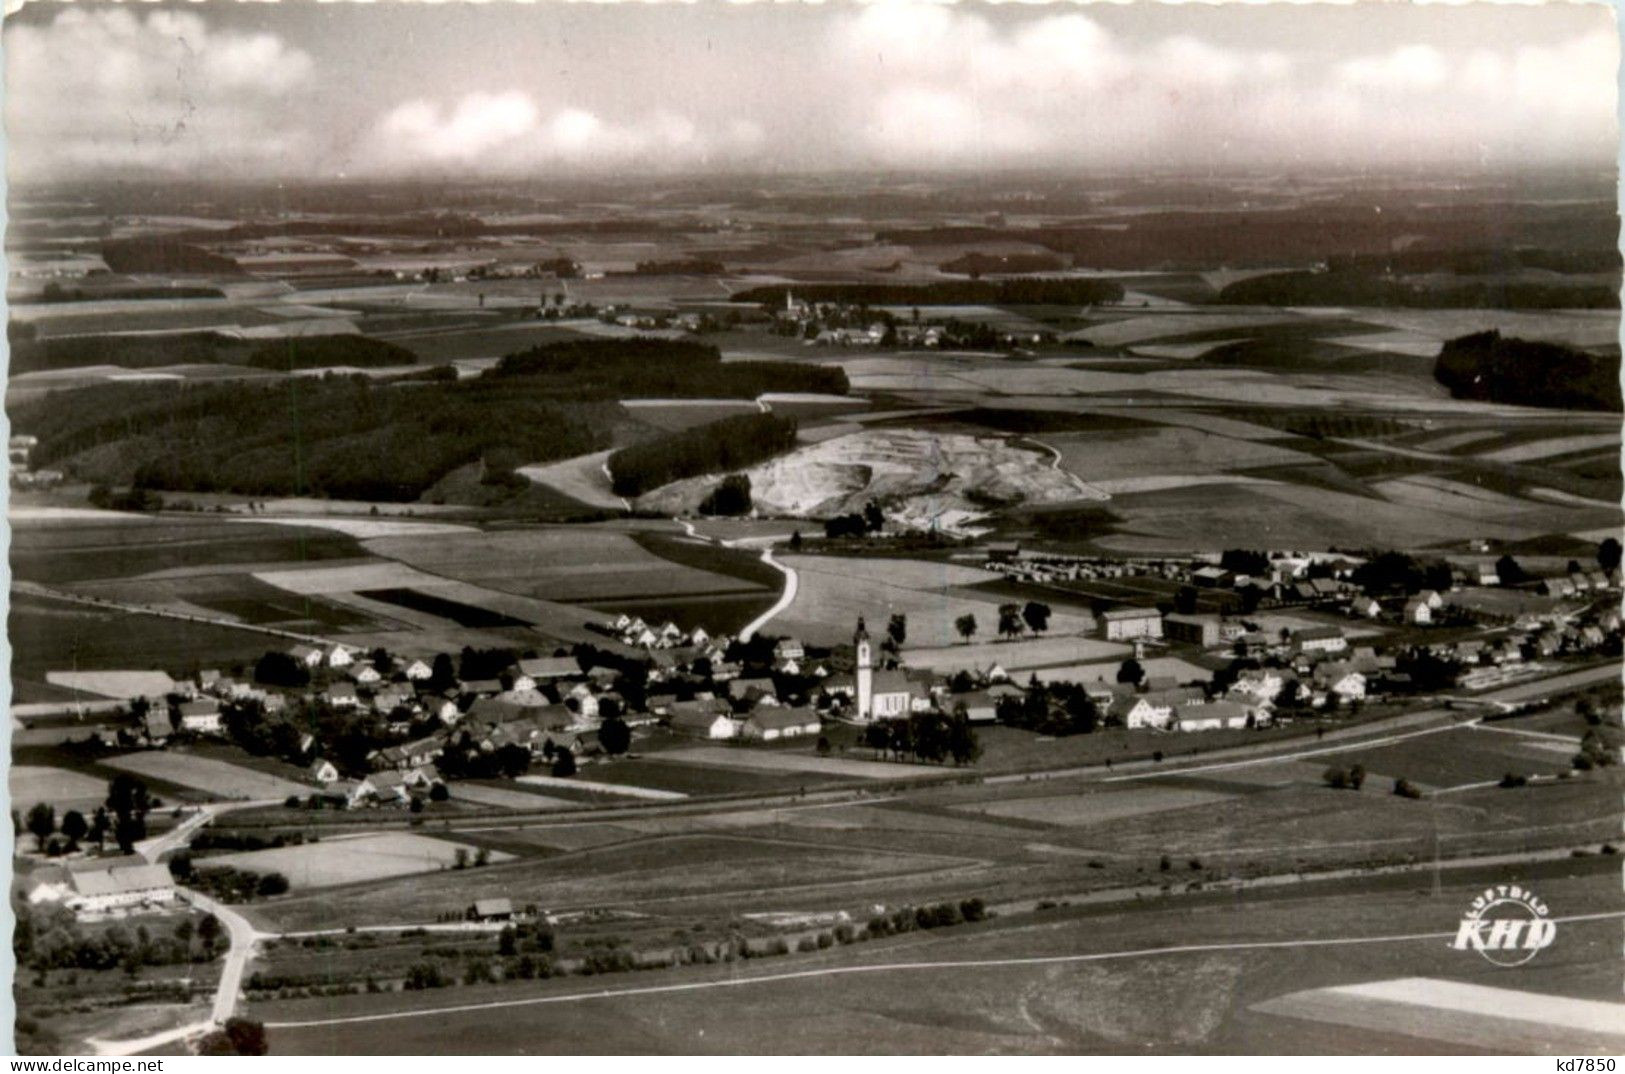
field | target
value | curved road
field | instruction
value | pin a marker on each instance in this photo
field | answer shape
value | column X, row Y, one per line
column 792, row 580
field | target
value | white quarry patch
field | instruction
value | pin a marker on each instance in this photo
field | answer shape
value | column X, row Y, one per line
column 922, row 479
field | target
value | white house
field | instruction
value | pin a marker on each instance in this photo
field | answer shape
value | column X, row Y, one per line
column 1126, row 624
column 1341, row 682
column 1214, row 716
column 322, row 771
column 770, row 724
column 366, row 675
column 1365, row 606
column 308, row 655
column 340, row 657
column 1258, row 686
column 201, row 717
column 1320, row 639
column 98, row 890
column 1431, row 598
column 1417, row 612
column 707, row 724
column 417, row 671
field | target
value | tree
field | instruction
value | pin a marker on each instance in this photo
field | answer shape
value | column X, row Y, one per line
column 795, row 541
column 963, row 746
column 1036, row 615
column 442, row 673
column 1010, row 620
column 74, row 826
column 247, row 1036
column 42, row 822
column 1510, row 571
column 208, row 931
column 99, row 826
column 1131, row 672
column 1185, row 600
column 1356, row 777
column 1608, row 553
column 823, row 747
column 732, row 497
column 873, row 518
column 897, row 629
column 564, row 763
column 438, row 792
column 1336, row 778
column 966, row 625
column 615, row 736
column 277, row 668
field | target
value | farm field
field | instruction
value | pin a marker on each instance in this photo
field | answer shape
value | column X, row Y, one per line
column 351, row 859
column 218, row 778
column 833, row 592
column 1464, row 756
column 49, row 636
column 689, row 777
column 1174, row 1002
column 581, row 478
column 573, row 564
column 772, row 760
column 503, row 798
column 1020, row 655
column 1100, row 807
column 61, row 788
column 76, row 550
column 659, row 869
column 1169, row 450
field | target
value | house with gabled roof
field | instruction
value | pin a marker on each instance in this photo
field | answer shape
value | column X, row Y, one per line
column 770, row 723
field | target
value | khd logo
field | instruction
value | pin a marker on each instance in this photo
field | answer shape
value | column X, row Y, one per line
column 1507, row 925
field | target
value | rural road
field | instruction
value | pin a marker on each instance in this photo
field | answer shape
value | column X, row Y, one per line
column 155, row 848
column 904, row 967
column 243, row 937
column 792, row 580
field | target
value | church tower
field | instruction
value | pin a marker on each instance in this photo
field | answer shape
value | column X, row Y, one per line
column 865, row 672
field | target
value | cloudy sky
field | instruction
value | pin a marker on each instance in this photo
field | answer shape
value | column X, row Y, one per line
column 306, row 90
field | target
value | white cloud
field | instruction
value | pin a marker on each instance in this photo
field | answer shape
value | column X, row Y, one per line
column 944, row 84
column 109, row 88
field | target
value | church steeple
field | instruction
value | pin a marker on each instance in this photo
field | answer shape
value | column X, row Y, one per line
column 865, row 671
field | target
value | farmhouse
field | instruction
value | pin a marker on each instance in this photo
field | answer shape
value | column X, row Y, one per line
column 1341, row 681
column 789, row 649
column 750, row 689
column 542, row 668
column 1156, row 710
column 323, row 772
column 97, row 890
column 418, row 671
column 1214, row 716
column 340, row 657
column 156, row 727
column 200, row 717
column 1417, row 612
column 308, row 655
column 979, row 706
column 1258, row 686
column 1213, row 577
column 1320, row 639
column 1125, row 624
column 1200, row 630
column 366, row 674
column 770, row 724
column 1365, row 606
column 341, row 695
column 491, row 910
column 712, row 725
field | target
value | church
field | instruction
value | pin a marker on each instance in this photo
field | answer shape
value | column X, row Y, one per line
column 881, row 695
